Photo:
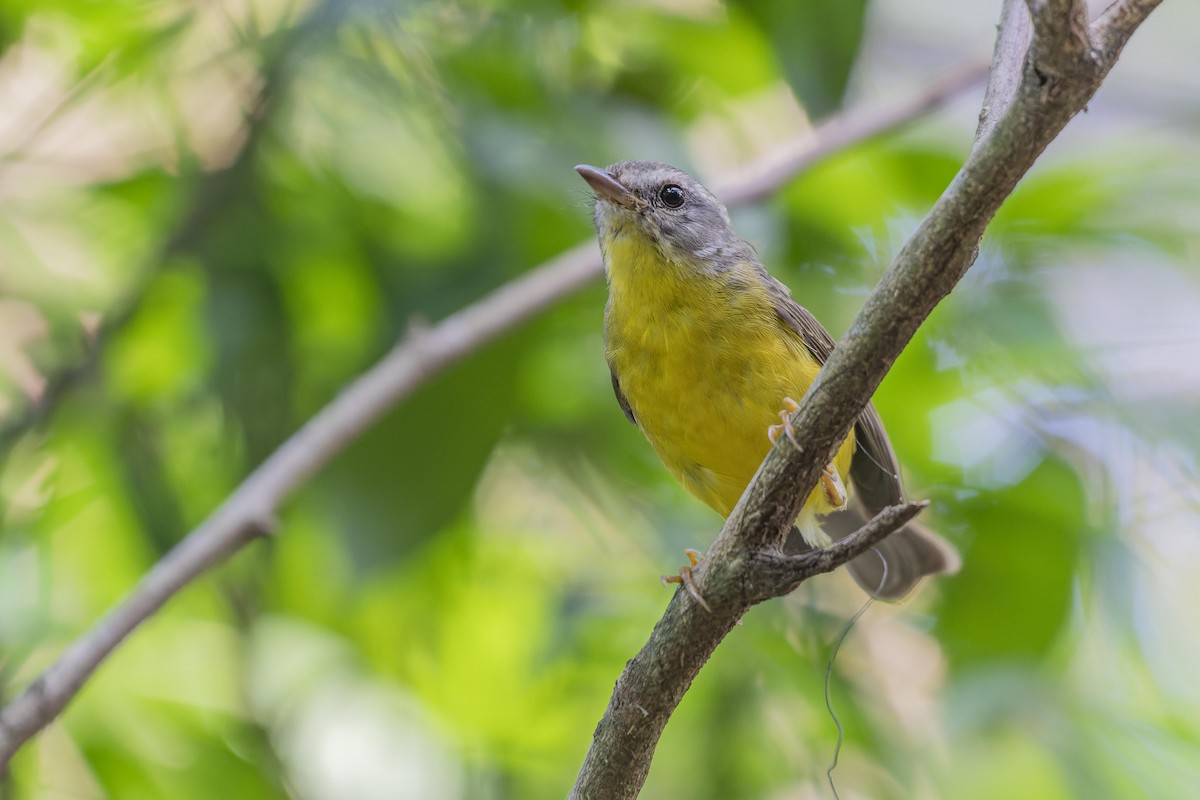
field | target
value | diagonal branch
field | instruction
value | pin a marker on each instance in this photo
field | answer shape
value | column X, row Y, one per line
column 656, row 679
column 925, row 270
column 1118, row 22
column 567, row 271
column 1012, row 42
column 250, row 511
column 1040, row 90
column 761, row 178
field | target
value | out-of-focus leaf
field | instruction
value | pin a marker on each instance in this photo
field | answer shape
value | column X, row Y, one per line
column 1013, row 595
column 410, row 474
column 816, row 42
column 1007, row 763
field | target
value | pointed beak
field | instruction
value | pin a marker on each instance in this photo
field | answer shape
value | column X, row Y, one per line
column 609, row 188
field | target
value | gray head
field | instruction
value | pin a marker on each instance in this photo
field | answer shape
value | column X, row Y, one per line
column 668, row 207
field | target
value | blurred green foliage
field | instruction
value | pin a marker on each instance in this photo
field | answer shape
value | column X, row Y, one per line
column 215, row 215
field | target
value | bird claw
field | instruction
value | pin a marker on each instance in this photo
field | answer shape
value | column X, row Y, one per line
column 831, row 480
column 684, row 578
column 790, row 407
column 835, row 490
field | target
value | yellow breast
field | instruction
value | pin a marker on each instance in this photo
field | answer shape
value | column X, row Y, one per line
column 705, row 363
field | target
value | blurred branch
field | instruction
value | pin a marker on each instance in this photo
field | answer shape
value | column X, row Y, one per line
column 1034, row 94
column 250, row 511
column 759, row 179
column 38, row 126
column 768, row 173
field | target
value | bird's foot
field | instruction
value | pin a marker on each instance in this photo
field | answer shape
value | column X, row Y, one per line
column 835, row 490
column 684, row 577
column 790, row 407
column 831, row 480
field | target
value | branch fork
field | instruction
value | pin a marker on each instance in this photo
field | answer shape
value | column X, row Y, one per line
column 771, row 573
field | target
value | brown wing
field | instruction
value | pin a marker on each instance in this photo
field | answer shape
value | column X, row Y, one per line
column 874, row 469
column 895, row 565
column 622, row 401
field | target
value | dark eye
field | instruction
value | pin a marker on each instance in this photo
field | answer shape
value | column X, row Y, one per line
column 671, row 196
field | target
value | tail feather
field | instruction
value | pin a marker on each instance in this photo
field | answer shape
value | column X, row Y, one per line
column 910, row 553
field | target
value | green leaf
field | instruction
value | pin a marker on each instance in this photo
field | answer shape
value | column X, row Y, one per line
column 1012, row 598
column 412, row 473
column 817, row 42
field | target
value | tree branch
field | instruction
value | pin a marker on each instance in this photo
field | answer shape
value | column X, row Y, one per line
column 769, row 172
column 752, row 183
column 1012, row 42
column 1118, row 22
column 1055, row 76
column 251, row 510
column 776, row 574
column 656, row 679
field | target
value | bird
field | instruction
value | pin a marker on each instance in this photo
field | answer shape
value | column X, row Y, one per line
column 707, row 349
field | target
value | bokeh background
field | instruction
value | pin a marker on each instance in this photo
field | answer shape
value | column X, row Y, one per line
column 215, row 214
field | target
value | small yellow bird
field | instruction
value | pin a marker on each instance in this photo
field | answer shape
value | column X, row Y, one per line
column 705, row 348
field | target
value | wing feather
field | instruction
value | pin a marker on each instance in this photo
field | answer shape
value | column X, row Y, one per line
column 622, row 401
column 874, row 469
column 896, row 564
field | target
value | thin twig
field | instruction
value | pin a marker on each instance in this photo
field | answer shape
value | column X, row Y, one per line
column 763, row 176
column 250, row 511
column 775, row 573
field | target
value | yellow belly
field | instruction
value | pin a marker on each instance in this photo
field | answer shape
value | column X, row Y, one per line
column 705, row 364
